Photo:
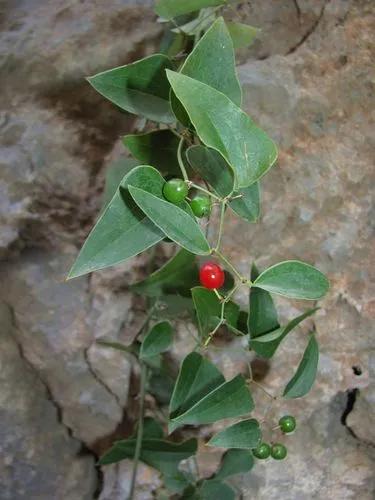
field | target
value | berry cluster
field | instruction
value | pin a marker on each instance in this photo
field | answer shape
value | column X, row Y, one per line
column 176, row 190
column 277, row 451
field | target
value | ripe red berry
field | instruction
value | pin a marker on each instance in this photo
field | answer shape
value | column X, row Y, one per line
column 211, row 275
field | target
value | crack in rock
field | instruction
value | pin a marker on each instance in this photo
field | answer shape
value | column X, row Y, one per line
column 351, row 399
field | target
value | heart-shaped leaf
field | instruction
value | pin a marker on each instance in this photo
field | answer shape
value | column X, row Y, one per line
column 168, row 9
column 262, row 312
column 242, row 435
column 293, row 279
column 179, row 274
column 178, row 225
column 266, row 345
column 158, row 340
column 208, row 308
column 224, row 127
column 122, row 230
column 140, row 87
column 302, row 381
column 235, row 462
column 242, row 35
column 157, row 148
column 212, row 167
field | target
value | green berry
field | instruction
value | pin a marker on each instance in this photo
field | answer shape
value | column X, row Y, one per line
column 278, row 451
column 287, row 424
column 201, row 206
column 175, row 190
column 262, row 451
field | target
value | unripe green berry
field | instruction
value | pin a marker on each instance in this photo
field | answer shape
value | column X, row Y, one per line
column 201, row 206
column 175, row 190
column 262, row 451
column 278, row 451
column 287, row 424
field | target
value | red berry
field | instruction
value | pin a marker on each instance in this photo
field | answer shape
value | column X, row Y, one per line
column 211, row 275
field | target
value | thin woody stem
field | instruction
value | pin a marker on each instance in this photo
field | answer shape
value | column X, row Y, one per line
column 221, row 226
column 229, row 264
column 200, row 188
column 180, row 161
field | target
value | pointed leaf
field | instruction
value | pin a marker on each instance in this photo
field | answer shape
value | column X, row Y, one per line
column 231, row 399
column 160, row 454
column 168, row 9
column 197, row 377
column 242, row 35
column 180, row 273
column 208, row 308
column 152, row 429
column 266, row 345
column 212, row 167
column 199, row 24
column 216, row 490
column 172, row 220
column 122, row 230
column 114, row 175
column 262, row 313
column 224, row 127
column 140, row 87
column 302, row 381
column 293, row 279
column 235, row 462
column 242, row 435
column 157, row 148
column 158, row 340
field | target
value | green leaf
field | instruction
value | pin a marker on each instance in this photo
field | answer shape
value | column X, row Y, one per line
column 168, row 9
column 199, row 24
column 114, row 175
column 197, row 377
column 266, row 345
column 157, row 148
column 208, row 308
column 302, row 381
column 231, row 399
column 212, row 167
column 235, row 462
column 158, row 340
column 293, row 279
column 242, row 35
column 262, row 312
column 179, row 274
column 242, row 435
column 224, row 127
column 152, row 429
column 216, row 490
column 160, row 454
column 172, row 220
column 140, row 87
column 122, row 230
column 172, row 306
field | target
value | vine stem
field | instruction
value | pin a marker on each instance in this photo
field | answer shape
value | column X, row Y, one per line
column 200, row 188
column 230, row 265
column 221, row 225
column 138, row 444
column 180, row 161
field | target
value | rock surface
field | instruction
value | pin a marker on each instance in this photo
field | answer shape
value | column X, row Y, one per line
column 308, row 81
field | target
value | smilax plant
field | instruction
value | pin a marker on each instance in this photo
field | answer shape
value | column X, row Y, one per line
column 198, row 154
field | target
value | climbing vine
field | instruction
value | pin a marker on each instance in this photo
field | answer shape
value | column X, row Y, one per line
column 196, row 156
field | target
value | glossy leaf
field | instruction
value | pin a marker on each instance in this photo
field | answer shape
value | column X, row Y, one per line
column 197, row 377
column 140, row 87
column 160, row 454
column 168, row 9
column 235, row 462
column 180, row 273
column 172, row 220
column 266, row 345
column 122, row 230
column 242, row 435
column 262, row 312
column 208, row 309
column 212, row 489
column 114, row 175
column 224, row 127
column 158, row 340
column 231, row 399
column 302, row 381
column 293, row 279
column 242, row 35
column 157, row 148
